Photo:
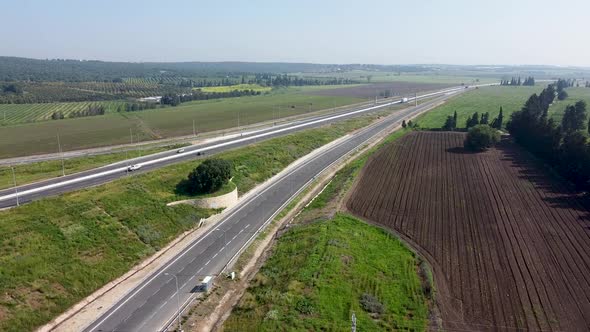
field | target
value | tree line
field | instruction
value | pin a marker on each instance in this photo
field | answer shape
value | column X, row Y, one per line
column 562, row 145
column 474, row 120
column 529, row 81
column 92, row 110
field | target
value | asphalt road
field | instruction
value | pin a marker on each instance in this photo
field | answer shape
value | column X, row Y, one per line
column 153, row 304
column 26, row 193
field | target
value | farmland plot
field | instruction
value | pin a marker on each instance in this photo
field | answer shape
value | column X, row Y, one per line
column 508, row 243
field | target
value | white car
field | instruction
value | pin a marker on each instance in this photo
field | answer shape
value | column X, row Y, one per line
column 179, row 150
column 133, row 168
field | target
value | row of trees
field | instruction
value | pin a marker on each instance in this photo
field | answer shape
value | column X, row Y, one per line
column 271, row 80
column 134, row 107
column 561, row 85
column 92, row 110
column 474, row 120
column 175, row 99
column 529, row 81
column 562, row 145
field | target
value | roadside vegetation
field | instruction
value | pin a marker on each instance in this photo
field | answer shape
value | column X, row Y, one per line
column 56, row 251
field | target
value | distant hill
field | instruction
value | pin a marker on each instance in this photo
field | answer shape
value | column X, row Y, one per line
column 22, row 69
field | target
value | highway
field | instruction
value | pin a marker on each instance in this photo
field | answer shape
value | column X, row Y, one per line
column 26, row 193
column 152, row 305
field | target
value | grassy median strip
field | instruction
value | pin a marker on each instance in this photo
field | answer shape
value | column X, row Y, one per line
column 56, row 251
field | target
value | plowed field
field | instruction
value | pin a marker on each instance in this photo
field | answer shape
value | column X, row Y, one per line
column 509, row 244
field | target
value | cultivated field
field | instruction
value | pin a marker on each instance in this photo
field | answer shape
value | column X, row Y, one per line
column 25, row 113
column 393, row 88
column 114, row 128
column 508, row 243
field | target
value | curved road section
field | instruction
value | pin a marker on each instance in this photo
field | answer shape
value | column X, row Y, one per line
column 26, row 193
column 153, row 304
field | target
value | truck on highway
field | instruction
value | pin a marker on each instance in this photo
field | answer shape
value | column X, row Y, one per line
column 404, row 100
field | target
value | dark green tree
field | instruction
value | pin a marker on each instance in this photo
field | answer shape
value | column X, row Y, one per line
column 562, row 95
column 574, row 117
column 472, row 121
column 404, row 125
column 209, row 176
column 449, row 123
column 480, row 138
column 497, row 122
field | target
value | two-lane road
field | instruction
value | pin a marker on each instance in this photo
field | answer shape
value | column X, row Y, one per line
column 152, row 305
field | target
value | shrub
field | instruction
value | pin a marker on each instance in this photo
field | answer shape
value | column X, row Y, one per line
column 209, row 176
column 371, row 304
column 481, row 137
column 304, row 306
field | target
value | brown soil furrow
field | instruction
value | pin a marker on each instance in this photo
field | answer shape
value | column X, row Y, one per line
column 508, row 242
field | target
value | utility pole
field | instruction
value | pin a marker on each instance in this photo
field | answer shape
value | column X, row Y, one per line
column 63, row 166
column 194, row 129
column 177, row 300
column 416, row 99
column 15, row 188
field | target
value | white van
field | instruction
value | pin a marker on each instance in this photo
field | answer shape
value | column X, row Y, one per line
column 133, row 168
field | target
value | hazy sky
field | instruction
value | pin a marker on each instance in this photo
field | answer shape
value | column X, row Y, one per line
column 321, row 31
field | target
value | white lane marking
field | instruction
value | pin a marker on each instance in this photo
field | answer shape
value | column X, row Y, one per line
column 216, row 146
column 200, row 270
column 163, row 304
column 228, row 242
column 172, row 296
column 209, row 261
column 247, row 226
column 233, row 238
column 214, row 255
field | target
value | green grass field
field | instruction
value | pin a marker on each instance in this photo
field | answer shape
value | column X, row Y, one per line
column 112, row 129
column 487, row 99
column 11, row 114
column 574, row 95
column 240, row 87
column 56, row 251
column 317, row 274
